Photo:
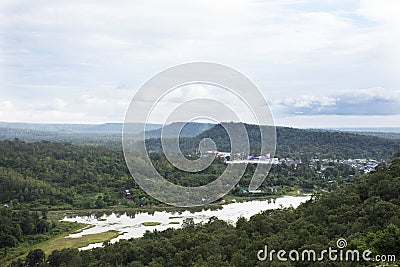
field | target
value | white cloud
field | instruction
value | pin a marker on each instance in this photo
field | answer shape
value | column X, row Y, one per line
column 92, row 100
column 5, row 106
column 80, row 52
column 386, row 11
column 224, row 101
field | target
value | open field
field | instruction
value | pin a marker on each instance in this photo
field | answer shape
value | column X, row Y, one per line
column 62, row 242
column 59, row 242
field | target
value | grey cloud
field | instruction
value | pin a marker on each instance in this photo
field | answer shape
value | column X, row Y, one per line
column 375, row 101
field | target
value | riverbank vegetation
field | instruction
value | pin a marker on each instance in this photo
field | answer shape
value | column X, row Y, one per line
column 151, row 223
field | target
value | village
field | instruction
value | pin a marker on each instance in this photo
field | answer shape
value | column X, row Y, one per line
column 362, row 165
column 319, row 165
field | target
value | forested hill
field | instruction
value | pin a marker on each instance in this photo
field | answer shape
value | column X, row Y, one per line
column 61, row 176
column 328, row 144
column 366, row 214
column 189, row 129
column 291, row 142
column 305, row 143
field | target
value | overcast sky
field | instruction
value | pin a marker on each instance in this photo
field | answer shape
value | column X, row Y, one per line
column 322, row 63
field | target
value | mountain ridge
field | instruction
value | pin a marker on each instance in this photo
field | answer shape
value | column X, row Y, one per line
column 291, row 142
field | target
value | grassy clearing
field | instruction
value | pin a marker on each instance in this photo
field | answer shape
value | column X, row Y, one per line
column 83, row 228
column 151, row 223
column 62, row 242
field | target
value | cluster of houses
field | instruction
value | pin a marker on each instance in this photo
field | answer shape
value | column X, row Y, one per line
column 363, row 165
column 262, row 159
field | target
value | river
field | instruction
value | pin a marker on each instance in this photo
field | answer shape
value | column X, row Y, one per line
column 132, row 226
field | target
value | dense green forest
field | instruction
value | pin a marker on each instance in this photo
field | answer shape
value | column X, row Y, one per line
column 64, row 176
column 16, row 225
column 366, row 213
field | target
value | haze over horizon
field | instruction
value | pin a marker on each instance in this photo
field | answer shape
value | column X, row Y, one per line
column 319, row 63
column 112, row 126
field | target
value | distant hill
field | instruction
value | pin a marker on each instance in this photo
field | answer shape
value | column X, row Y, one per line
column 368, row 129
column 77, row 128
column 189, row 129
column 107, row 135
column 292, row 142
column 110, row 140
column 384, row 132
column 390, row 135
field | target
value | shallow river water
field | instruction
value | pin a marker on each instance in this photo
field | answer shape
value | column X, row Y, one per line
column 132, row 226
